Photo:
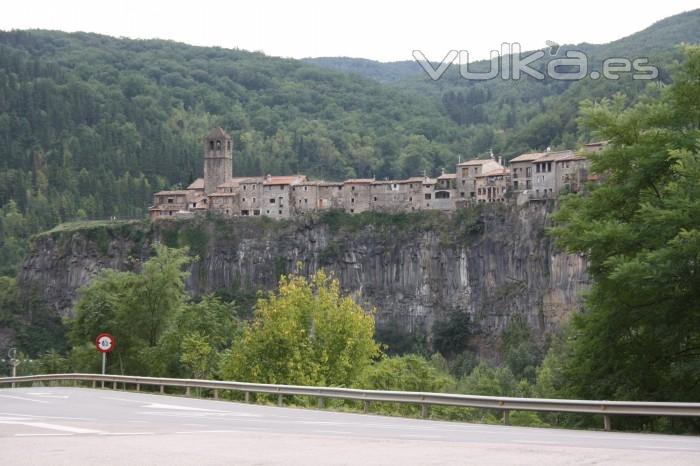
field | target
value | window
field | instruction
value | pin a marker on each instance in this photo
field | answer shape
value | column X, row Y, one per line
column 218, row 145
column 461, row 194
column 228, row 145
column 352, row 211
column 272, row 200
column 306, row 188
column 352, row 189
column 410, row 199
column 528, row 172
column 244, row 187
column 279, row 212
column 429, row 196
column 375, row 199
column 442, row 195
column 211, row 145
column 244, row 199
column 170, row 200
column 245, row 213
column 352, row 201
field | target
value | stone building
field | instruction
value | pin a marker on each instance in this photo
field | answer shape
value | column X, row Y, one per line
column 492, row 186
column 531, row 177
column 467, row 173
column 218, row 160
column 521, row 170
column 356, row 195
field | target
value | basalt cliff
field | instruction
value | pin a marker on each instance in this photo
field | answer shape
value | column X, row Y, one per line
column 487, row 265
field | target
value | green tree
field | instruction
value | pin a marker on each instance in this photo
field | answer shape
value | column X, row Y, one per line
column 639, row 336
column 136, row 308
column 304, row 333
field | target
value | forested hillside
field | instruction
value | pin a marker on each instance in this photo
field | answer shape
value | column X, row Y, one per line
column 91, row 126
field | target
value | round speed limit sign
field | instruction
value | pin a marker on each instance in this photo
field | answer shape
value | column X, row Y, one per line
column 105, row 342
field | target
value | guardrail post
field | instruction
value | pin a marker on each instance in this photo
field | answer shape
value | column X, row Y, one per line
column 506, row 417
column 606, row 422
column 114, row 385
column 162, row 389
column 216, row 393
column 321, row 402
column 247, row 397
column 424, row 410
column 187, row 391
column 103, row 384
column 280, row 399
column 94, row 384
column 365, row 406
column 138, row 387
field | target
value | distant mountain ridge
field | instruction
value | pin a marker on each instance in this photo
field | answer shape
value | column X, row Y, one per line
column 660, row 36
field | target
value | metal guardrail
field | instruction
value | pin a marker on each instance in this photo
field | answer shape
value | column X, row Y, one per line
column 505, row 404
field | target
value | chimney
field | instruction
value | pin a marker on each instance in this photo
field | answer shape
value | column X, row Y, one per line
column 500, row 160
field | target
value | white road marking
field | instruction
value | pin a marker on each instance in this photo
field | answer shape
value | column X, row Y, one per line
column 23, row 399
column 210, row 431
column 45, row 425
column 180, row 408
column 47, row 395
column 126, row 433
column 43, row 435
column 536, row 442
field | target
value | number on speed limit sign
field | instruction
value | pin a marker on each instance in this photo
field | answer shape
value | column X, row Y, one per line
column 105, row 342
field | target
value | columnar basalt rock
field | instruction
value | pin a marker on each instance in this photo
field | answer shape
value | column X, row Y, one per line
column 414, row 273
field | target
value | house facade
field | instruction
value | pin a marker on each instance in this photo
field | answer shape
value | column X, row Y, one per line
column 529, row 177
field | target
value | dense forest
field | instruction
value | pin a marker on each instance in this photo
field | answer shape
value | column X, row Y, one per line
column 91, row 126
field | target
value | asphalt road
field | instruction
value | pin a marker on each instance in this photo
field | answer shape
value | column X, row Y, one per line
column 75, row 426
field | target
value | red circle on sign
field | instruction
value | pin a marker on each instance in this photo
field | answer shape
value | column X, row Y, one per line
column 105, row 342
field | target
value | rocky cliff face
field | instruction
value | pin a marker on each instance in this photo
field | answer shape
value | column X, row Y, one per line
column 491, row 264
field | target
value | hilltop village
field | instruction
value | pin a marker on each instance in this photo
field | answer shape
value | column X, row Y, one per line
column 529, row 177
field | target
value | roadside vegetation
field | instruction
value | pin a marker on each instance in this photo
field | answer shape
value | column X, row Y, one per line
column 638, row 336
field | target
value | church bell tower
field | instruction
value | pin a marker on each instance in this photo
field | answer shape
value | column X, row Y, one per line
column 218, row 159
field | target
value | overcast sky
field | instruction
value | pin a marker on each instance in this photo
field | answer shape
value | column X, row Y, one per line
column 385, row 31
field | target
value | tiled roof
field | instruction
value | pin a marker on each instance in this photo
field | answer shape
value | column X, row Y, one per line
column 570, row 157
column 292, row 179
column 359, row 181
column 529, row 157
column 197, row 184
column 180, row 192
column 496, row 172
column 552, row 156
column 447, row 176
column 477, row 162
column 223, row 194
column 218, row 133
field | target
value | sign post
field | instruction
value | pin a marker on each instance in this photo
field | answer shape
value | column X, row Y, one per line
column 105, row 343
column 14, row 362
